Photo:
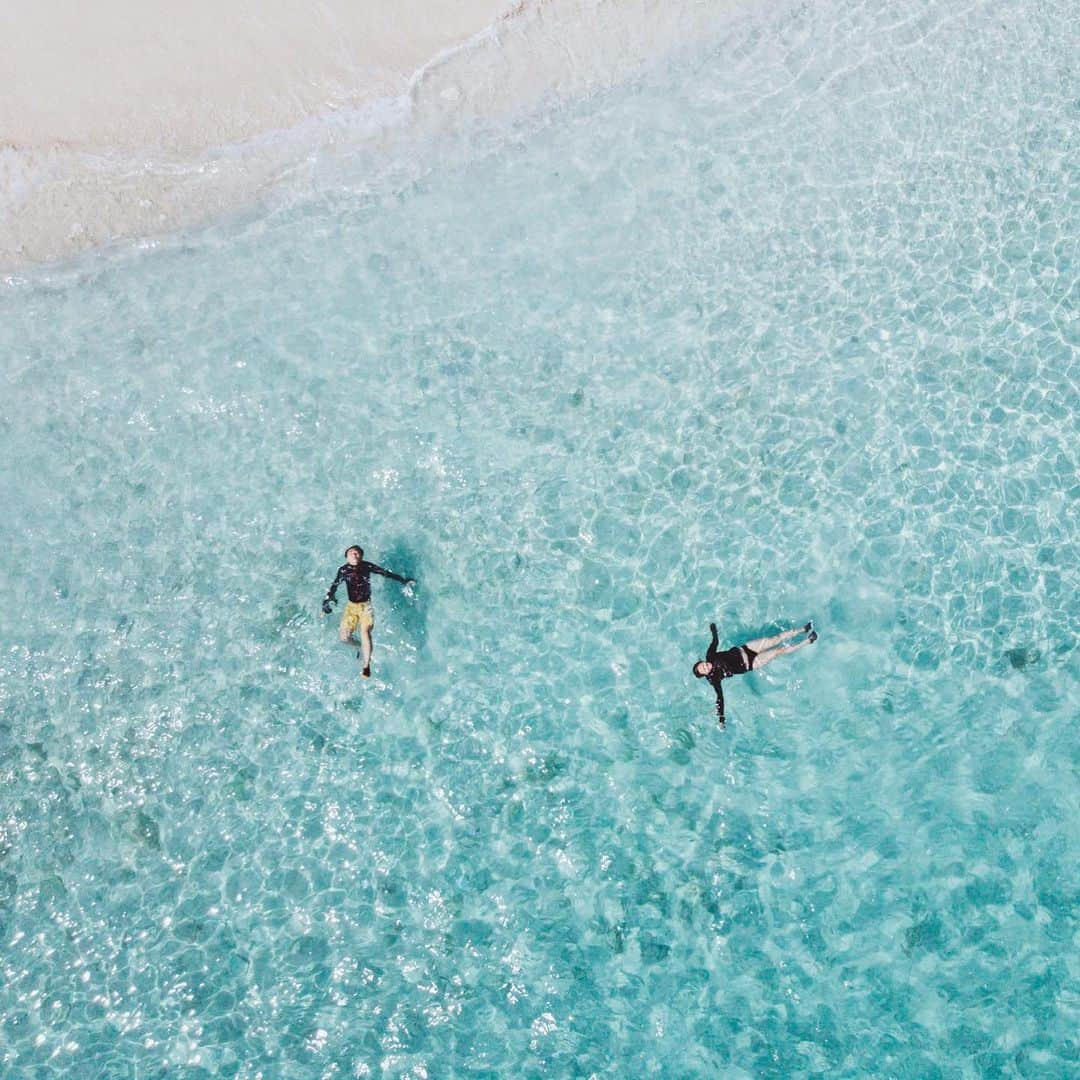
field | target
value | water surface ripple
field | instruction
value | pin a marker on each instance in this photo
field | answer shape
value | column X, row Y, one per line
column 786, row 330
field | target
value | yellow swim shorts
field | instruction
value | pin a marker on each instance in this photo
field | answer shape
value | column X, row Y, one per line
column 356, row 615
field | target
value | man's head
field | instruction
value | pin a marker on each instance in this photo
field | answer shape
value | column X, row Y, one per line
column 354, row 554
column 702, row 668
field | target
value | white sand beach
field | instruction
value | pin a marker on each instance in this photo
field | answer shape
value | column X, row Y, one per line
column 127, row 120
column 124, row 75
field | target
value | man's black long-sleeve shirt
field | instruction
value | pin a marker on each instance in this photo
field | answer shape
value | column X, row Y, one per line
column 358, row 581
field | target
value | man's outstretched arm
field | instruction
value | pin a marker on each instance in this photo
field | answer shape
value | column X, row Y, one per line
column 719, row 703
column 331, row 593
column 714, row 644
column 376, row 569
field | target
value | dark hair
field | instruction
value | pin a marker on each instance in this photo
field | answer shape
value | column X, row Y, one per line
column 354, row 547
column 699, row 674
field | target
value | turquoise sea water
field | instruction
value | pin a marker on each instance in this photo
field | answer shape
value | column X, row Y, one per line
column 785, row 330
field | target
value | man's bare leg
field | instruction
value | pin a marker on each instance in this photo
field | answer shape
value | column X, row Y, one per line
column 365, row 649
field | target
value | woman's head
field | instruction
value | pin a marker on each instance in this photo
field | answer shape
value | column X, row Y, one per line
column 702, row 668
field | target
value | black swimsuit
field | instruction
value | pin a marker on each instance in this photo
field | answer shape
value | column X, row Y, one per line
column 737, row 661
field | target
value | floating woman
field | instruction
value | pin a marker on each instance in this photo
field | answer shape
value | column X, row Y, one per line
column 752, row 656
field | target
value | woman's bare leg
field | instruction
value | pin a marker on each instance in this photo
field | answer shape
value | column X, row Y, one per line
column 771, row 642
column 767, row 657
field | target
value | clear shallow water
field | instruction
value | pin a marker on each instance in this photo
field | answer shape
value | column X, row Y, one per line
column 786, row 331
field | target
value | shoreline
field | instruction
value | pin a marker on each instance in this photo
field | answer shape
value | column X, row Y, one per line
column 201, row 130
